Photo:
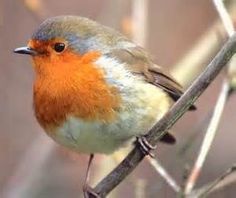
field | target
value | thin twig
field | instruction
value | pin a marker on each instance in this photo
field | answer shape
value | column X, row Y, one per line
column 218, row 110
column 203, row 192
column 227, row 181
column 167, row 121
column 164, row 174
column 229, row 27
column 224, row 15
column 193, row 62
column 139, row 34
column 209, row 137
column 139, row 21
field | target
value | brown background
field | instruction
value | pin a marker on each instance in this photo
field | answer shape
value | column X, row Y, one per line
column 174, row 27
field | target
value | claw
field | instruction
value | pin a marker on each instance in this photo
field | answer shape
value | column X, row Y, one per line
column 145, row 146
column 89, row 192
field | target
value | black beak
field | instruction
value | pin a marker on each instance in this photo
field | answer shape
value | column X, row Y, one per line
column 25, row 50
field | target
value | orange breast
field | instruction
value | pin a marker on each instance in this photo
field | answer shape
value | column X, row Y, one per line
column 71, row 84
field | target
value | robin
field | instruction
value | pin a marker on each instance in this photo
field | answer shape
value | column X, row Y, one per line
column 95, row 89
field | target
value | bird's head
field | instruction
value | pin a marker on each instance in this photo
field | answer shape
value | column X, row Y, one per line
column 64, row 51
column 62, row 40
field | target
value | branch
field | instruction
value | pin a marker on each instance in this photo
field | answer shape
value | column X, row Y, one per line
column 209, row 187
column 193, row 62
column 218, row 110
column 139, row 21
column 209, row 137
column 229, row 180
column 164, row 174
column 224, row 15
column 177, row 110
column 229, row 27
column 139, row 33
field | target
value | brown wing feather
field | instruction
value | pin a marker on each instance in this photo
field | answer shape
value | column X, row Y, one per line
column 139, row 63
column 169, row 85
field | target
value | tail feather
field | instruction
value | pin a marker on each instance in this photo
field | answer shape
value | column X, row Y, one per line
column 168, row 139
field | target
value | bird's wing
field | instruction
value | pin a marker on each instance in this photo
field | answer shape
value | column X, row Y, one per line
column 139, row 63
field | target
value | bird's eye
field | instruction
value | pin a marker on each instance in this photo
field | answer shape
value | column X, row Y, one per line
column 59, row 47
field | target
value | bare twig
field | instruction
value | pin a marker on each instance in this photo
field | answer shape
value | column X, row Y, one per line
column 193, row 62
column 209, row 187
column 139, row 21
column 178, row 109
column 224, row 15
column 139, row 34
column 220, row 104
column 229, row 27
column 208, row 139
column 164, row 174
column 227, row 181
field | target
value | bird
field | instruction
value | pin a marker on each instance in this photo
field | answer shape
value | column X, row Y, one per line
column 94, row 89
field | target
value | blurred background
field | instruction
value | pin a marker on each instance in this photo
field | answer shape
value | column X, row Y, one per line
column 181, row 35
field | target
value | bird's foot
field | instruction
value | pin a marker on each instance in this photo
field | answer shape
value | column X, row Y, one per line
column 89, row 192
column 145, row 146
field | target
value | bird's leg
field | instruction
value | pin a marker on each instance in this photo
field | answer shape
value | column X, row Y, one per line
column 88, row 191
column 145, row 146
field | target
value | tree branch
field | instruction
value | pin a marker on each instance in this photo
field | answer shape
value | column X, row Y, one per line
column 204, row 191
column 225, row 17
column 177, row 110
column 219, row 107
column 209, row 137
column 164, row 174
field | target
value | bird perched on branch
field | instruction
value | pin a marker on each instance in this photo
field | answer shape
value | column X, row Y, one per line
column 95, row 89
